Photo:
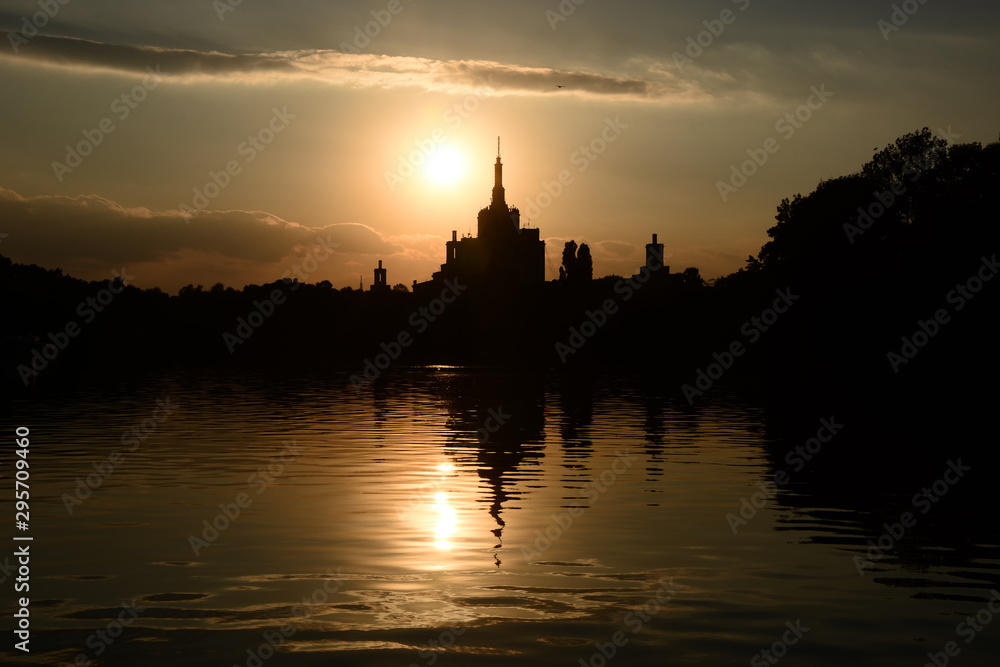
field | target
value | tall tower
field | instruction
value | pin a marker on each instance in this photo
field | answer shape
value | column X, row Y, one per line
column 498, row 193
column 502, row 257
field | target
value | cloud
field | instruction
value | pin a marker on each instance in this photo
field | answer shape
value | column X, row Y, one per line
column 64, row 231
column 421, row 247
column 72, row 52
column 616, row 250
column 458, row 77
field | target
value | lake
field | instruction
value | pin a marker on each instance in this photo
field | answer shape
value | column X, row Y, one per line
column 464, row 516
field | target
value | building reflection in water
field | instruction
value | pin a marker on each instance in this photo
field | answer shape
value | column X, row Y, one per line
column 497, row 428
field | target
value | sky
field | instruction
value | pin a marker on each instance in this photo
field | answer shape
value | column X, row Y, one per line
column 239, row 141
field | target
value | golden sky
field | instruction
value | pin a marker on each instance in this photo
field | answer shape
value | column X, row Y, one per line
column 223, row 142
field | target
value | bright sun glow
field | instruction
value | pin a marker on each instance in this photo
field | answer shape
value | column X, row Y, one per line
column 445, row 166
column 447, row 522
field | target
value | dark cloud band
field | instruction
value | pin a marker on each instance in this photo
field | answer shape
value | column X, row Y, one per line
column 344, row 68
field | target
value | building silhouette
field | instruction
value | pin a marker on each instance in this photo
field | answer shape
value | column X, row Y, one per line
column 380, row 284
column 502, row 256
column 654, row 256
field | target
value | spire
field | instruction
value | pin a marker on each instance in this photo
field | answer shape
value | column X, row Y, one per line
column 498, row 192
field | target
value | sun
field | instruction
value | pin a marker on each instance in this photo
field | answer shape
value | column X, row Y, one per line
column 445, row 166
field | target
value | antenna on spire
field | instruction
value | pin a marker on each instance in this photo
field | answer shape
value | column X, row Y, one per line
column 498, row 147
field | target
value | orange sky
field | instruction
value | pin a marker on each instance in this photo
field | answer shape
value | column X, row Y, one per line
column 270, row 122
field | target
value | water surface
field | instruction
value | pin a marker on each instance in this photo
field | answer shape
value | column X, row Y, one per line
column 388, row 526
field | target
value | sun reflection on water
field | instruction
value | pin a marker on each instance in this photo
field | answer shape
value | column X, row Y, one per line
column 447, row 521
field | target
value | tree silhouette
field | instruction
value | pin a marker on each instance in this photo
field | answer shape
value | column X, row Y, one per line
column 190, row 290
column 901, row 160
column 584, row 265
column 691, row 277
column 910, row 198
column 577, row 264
column 568, row 261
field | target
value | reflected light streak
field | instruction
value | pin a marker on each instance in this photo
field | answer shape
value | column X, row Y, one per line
column 447, row 522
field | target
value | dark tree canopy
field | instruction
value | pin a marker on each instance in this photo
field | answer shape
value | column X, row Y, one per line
column 917, row 193
column 568, row 260
column 584, row 267
column 577, row 264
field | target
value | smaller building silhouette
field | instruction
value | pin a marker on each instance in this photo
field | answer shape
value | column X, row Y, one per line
column 654, row 257
column 380, row 284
